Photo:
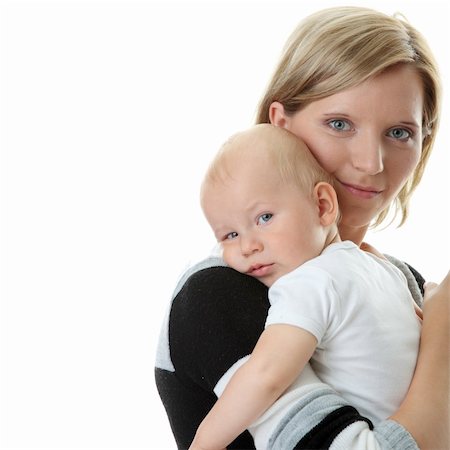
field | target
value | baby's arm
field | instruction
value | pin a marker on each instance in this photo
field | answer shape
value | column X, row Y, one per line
column 279, row 356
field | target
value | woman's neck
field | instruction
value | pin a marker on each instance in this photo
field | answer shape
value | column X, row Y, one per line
column 354, row 234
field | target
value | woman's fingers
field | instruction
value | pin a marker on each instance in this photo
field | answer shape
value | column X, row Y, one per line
column 418, row 311
column 371, row 249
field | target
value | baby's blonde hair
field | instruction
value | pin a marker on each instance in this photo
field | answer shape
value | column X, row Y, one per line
column 339, row 48
column 289, row 155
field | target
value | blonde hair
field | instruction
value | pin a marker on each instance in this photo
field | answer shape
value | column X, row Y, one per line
column 288, row 155
column 338, row 48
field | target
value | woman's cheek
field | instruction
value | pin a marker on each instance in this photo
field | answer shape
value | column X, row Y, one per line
column 405, row 166
column 327, row 153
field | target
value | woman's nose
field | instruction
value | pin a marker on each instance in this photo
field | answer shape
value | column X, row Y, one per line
column 367, row 155
column 250, row 245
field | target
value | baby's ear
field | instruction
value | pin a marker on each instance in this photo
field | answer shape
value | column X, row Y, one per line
column 326, row 199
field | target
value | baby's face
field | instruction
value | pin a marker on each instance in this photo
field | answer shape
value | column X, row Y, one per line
column 266, row 227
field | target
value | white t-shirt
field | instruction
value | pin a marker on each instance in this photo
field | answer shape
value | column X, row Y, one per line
column 360, row 309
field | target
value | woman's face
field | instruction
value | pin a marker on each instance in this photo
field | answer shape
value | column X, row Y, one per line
column 368, row 137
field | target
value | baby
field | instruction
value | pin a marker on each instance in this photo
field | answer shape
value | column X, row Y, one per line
column 274, row 211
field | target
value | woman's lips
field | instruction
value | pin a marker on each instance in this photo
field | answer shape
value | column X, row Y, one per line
column 260, row 270
column 366, row 192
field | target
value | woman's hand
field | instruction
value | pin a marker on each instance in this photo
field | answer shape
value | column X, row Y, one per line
column 425, row 410
column 437, row 298
column 370, row 249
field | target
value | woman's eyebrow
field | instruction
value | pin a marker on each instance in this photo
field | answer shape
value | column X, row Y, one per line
column 413, row 124
column 337, row 113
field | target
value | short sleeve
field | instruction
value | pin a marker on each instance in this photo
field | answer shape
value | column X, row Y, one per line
column 305, row 298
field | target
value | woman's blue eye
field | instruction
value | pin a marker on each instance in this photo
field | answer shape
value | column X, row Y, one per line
column 399, row 133
column 264, row 218
column 231, row 235
column 339, row 125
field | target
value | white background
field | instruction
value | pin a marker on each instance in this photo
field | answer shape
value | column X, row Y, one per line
column 110, row 112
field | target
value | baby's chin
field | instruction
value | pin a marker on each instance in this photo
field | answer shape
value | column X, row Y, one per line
column 270, row 280
column 270, row 283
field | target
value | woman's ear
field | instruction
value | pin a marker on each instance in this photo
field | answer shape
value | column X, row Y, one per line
column 277, row 116
column 326, row 199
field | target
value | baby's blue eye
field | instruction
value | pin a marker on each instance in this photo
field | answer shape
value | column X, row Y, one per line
column 399, row 133
column 264, row 218
column 339, row 125
column 231, row 235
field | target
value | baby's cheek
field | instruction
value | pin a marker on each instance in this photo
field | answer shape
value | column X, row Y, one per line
column 231, row 257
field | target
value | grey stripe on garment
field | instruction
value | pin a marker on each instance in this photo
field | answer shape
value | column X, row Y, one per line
column 392, row 436
column 304, row 416
column 314, row 408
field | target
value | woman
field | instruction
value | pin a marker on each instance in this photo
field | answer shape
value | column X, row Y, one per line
column 362, row 90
